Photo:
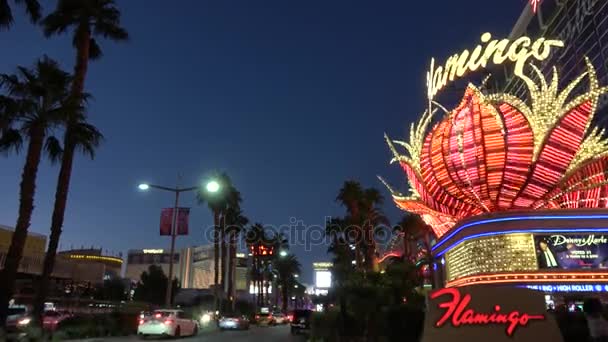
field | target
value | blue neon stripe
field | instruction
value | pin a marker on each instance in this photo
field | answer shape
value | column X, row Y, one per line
column 544, row 230
column 516, row 218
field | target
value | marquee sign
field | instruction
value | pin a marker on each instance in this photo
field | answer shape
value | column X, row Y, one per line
column 488, row 314
column 520, row 51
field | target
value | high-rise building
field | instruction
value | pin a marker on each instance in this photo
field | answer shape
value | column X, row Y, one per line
column 139, row 260
column 583, row 27
column 197, row 269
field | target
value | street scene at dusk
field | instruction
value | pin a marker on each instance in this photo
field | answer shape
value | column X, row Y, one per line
column 348, row 171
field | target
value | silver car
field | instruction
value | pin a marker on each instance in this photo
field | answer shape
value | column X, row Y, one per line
column 234, row 322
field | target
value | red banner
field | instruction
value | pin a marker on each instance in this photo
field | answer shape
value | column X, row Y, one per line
column 166, row 221
column 182, row 221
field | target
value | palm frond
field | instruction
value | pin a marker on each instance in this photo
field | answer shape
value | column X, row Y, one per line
column 32, row 9
column 10, row 140
column 53, row 149
column 94, row 50
column 85, row 137
column 6, row 15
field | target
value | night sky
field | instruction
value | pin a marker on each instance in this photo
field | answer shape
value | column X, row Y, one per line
column 290, row 98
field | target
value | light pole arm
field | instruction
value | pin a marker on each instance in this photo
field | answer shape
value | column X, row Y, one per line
column 160, row 187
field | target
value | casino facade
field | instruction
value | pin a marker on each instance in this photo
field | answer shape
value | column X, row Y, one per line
column 513, row 186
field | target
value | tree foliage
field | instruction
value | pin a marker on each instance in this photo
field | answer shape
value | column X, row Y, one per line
column 152, row 286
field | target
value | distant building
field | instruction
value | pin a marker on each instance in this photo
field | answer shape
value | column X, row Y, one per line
column 74, row 272
column 139, row 260
column 33, row 251
column 197, row 269
column 323, row 277
column 90, row 265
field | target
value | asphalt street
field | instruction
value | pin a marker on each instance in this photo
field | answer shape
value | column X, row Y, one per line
column 257, row 334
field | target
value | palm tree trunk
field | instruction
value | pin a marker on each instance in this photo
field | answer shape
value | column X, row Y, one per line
column 27, row 190
column 224, row 253
column 216, row 257
column 285, row 295
column 231, row 260
column 61, row 199
column 407, row 252
column 83, row 45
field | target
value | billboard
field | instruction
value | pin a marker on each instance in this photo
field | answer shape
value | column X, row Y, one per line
column 571, row 251
column 322, row 279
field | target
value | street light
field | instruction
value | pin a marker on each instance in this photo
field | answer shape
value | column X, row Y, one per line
column 296, row 275
column 211, row 186
column 283, row 253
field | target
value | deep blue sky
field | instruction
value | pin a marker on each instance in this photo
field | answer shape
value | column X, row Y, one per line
column 291, row 98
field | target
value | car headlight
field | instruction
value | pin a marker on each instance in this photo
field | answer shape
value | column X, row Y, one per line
column 24, row 321
column 206, row 318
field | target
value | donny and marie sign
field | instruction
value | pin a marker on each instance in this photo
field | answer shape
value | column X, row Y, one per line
column 571, row 251
column 483, row 313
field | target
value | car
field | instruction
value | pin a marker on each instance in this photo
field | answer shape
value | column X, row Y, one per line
column 301, row 321
column 265, row 319
column 235, row 322
column 52, row 318
column 18, row 318
column 280, row 318
column 165, row 323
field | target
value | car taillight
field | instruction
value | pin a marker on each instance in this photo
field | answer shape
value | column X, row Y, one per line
column 168, row 322
column 257, row 317
column 158, row 315
column 141, row 321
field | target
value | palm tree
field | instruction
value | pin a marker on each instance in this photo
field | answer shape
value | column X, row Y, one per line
column 371, row 218
column 83, row 137
column 32, row 9
column 408, row 228
column 217, row 203
column 87, row 18
column 285, row 269
column 233, row 200
column 35, row 102
column 350, row 197
column 235, row 225
column 255, row 238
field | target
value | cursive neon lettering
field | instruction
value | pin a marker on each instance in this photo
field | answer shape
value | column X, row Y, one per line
column 518, row 51
column 458, row 313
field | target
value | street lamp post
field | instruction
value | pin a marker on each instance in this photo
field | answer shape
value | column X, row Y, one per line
column 212, row 186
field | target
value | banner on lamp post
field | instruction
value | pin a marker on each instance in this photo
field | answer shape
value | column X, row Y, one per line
column 182, row 221
column 166, row 221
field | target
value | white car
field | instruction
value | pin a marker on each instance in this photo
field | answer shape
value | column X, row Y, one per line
column 167, row 323
column 280, row 318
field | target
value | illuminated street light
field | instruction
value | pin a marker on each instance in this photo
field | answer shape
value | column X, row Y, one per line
column 296, row 275
column 213, row 186
column 283, row 253
column 295, row 286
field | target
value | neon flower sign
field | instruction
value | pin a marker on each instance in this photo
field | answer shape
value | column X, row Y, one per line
column 458, row 313
column 534, row 4
column 496, row 152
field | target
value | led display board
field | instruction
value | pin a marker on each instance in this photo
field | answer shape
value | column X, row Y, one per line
column 571, row 251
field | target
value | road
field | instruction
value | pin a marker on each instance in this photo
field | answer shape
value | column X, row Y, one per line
column 255, row 334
